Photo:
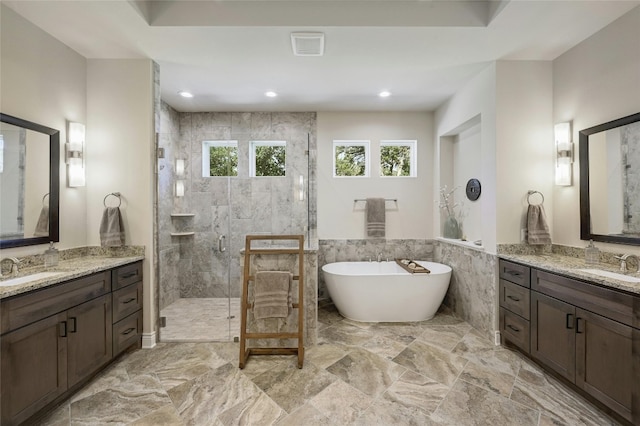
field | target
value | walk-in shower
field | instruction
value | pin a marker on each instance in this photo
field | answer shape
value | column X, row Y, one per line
column 225, row 175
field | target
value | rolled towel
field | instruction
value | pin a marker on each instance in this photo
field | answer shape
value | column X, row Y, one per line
column 272, row 294
column 111, row 228
column 42, row 226
column 537, row 228
column 376, row 217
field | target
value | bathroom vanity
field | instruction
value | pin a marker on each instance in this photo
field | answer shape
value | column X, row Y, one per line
column 58, row 333
column 583, row 329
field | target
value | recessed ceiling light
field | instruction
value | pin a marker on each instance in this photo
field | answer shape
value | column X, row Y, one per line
column 384, row 94
column 185, row 94
column 271, row 94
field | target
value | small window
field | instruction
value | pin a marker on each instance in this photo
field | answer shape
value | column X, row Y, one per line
column 219, row 158
column 398, row 158
column 268, row 158
column 350, row 158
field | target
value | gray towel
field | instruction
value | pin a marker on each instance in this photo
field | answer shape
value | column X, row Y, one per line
column 375, row 217
column 272, row 294
column 111, row 228
column 42, row 226
column 537, row 228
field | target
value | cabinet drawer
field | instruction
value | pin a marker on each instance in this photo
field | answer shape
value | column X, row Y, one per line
column 126, row 301
column 515, row 329
column 127, row 332
column 514, row 273
column 514, row 298
column 24, row 309
column 126, row 275
column 600, row 300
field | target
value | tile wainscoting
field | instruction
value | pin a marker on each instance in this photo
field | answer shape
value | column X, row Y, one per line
column 472, row 293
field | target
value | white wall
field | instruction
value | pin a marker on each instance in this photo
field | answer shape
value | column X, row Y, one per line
column 120, row 148
column 44, row 81
column 338, row 216
column 595, row 82
column 524, row 143
column 476, row 99
column 467, row 148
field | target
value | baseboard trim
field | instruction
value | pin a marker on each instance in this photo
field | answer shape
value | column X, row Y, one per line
column 148, row 340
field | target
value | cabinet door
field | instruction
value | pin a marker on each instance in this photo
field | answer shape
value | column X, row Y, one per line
column 90, row 340
column 34, row 367
column 604, row 360
column 553, row 340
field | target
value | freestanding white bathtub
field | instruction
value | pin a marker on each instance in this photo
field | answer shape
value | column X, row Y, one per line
column 385, row 292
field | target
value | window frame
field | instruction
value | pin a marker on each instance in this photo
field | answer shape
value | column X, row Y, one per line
column 367, row 156
column 206, row 159
column 413, row 156
column 252, row 156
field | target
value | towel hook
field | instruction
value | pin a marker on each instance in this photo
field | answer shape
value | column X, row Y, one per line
column 43, row 198
column 115, row 194
column 530, row 193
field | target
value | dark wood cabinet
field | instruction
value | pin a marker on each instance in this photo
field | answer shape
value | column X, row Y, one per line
column 34, row 368
column 604, row 361
column 585, row 334
column 553, row 339
column 55, row 339
column 514, row 304
column 89, row 343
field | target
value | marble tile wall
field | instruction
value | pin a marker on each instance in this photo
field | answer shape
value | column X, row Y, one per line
column 231, row 207
column 330, row 251
column 472, row 293
column 288, row 263
column 168, row 247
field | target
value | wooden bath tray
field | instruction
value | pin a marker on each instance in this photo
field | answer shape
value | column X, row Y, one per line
column 404, row 263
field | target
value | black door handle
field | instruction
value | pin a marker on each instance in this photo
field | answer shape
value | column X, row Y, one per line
column 515, row 299
column 72, row 325
column 578, row 322
column 62, row 329
column 570, row 321
column 517, row 330
column 128, row 300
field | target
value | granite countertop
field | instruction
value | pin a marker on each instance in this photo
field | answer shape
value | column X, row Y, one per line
column 571, row 267
column 68, row 270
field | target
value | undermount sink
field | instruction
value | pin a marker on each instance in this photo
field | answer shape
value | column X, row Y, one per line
column 613, row 275
column 28, row 278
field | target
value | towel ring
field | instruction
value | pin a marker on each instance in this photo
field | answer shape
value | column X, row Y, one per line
column 115, row 194
column 43, row 198
column 530, row 193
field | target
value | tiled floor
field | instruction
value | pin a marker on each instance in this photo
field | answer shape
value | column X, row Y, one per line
column 201, row 320
column 438, row 372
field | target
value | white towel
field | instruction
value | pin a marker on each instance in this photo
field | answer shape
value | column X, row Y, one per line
column 111, row 228
column 376, row 217
column 272, row 294
column 42, row 226
column 537, row 228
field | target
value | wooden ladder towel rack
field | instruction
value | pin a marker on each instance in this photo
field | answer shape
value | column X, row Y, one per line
column 245, row 305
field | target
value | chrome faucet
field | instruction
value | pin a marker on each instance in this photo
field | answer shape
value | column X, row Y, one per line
column 380, row 257
column 623, row 262
column 14, row 266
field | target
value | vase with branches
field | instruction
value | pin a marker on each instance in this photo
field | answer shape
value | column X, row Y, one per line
column 453, row 219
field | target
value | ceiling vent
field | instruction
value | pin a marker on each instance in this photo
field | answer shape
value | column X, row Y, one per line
column 307, row 44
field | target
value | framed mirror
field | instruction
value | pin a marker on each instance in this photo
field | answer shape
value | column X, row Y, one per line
column 610, row 181
column 29, row 183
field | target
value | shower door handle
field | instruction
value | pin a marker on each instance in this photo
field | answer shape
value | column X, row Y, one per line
column 221, row 247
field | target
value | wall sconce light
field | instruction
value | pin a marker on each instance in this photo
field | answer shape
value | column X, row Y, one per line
column 179, row 188
column 74, row 155
column 564, row 154
column 179, row 167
